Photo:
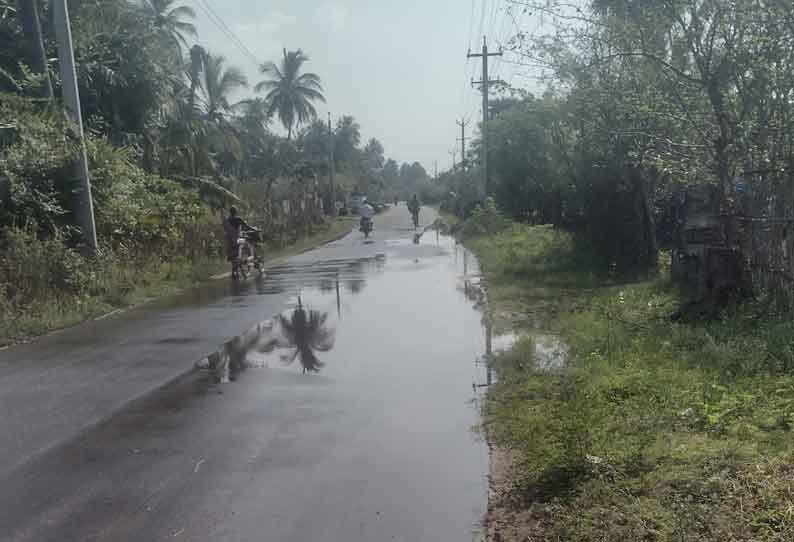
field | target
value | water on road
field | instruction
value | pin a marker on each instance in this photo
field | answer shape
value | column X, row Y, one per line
column 346, row 415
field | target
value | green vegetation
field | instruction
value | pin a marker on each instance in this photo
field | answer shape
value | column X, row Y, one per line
column 169, row 150
column 644, row 99
column 655, row 429
column 661, row 426
column 49, row 286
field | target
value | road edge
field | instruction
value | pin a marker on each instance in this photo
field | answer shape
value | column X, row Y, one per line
column 191, row 367
column 269, row 264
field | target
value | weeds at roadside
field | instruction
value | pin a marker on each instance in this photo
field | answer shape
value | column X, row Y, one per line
column 655, row 429
column 46, row 286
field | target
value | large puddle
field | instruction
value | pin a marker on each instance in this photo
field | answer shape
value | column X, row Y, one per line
column 396, row 335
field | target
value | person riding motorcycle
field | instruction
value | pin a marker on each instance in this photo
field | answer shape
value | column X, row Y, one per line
column 366, row 211
column 233, row 228
column 414, row 206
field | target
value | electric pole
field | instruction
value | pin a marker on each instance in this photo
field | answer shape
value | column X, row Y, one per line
column 462, row 123
column 29, row 10
column 71, row 102
column 435, row 165
column 454, row 154
column 331, row 165
column 486, row 83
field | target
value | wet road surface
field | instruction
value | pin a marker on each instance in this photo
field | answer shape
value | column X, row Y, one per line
column 345, row 414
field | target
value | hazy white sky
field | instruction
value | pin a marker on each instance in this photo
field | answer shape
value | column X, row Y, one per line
column 398, row 66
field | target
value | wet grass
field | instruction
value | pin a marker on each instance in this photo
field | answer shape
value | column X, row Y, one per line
column 657, row 429
column 123, row 285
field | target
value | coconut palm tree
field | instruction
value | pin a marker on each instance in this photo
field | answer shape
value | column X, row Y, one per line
column 290, row 93
column 217, row 83
column 170, row 19
column 197, row 133
column 254, row 114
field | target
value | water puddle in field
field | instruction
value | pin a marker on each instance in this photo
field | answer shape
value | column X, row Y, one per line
column 550, row 353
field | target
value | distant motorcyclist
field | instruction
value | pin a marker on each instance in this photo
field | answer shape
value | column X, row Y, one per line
column 414, row 205
column 366, row 211
column 233, row 228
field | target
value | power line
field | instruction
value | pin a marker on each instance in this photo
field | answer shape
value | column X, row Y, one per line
column 492, row 19
column 471, row 20
column 223, row 27
column 467, row 74
column 517, row 27
column 501, row 35
column 228, row 30
column 482, row 18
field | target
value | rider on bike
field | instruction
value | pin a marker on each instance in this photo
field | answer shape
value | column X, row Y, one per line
column 233, row 228
column 366, row 211
column 414, row 206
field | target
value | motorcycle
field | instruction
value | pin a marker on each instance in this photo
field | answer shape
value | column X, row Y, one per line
column 246, row 259
column 366, row 227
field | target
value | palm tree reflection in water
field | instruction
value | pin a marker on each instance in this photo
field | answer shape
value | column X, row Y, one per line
column 305, row 333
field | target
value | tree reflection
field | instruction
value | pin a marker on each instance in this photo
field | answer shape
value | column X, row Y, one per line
column 306, row 333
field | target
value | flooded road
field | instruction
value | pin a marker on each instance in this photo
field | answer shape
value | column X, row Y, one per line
column 345, row 414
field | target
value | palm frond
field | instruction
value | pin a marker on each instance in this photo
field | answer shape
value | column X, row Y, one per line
column 311, row 94
column 232, row 79
column 271, row 69
column 266, row 85
column 182, row 11
column 311, row 80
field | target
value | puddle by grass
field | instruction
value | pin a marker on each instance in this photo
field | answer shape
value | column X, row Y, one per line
column 550, row 353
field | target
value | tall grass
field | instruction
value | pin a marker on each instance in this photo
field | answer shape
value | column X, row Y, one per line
column 44, row 285
column 656, row 429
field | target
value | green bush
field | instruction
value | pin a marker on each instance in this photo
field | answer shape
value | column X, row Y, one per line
column 32, row 268
column 36, row 157
column 655, row 429
column 484, row 220
column 135, row 207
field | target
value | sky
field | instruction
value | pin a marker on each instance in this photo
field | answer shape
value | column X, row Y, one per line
column 398, row 66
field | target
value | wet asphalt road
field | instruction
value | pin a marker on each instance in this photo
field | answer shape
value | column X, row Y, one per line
column 345, row 415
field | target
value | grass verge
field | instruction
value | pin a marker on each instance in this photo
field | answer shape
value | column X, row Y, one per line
column 655, row 429
column 120, row 285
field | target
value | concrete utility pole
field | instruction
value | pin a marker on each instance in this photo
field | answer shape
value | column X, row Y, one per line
column 435, row 166
column 454, row 154
column 331, row 165
column 29, row 10
column 486, row 83
column 462, row 123
column 71, row 102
